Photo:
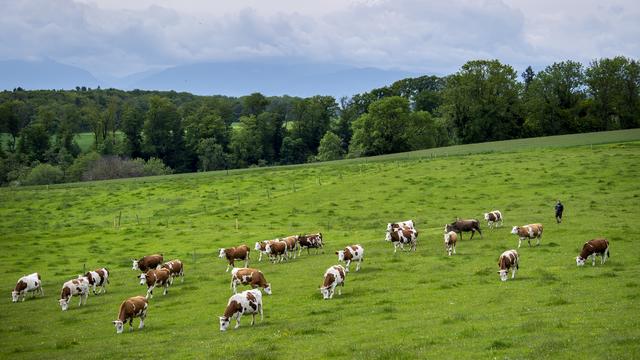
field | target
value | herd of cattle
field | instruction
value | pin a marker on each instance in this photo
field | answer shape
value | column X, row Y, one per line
column 157, row 273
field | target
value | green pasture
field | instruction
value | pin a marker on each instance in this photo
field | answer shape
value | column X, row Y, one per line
column 408, row 305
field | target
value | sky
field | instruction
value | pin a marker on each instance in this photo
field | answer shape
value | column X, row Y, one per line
column 115, row 38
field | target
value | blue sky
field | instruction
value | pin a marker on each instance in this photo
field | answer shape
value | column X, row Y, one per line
column 116, row 38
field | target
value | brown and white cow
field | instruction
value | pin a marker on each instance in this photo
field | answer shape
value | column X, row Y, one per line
column 494, row 218
column 147, row 262
column 232, row 254
column 531, row 231
column 29, row 283
column 261, row 247
column 351, row 253
column 248, row 276
column 131, row 308
column 508, row 260
column 450, row 240
column 247, row 302
column 98, row 277
column 400, row 224
column 292, row 245
column 401, row 236
column 277, row 251
column 156, row 277
column 461, row 226
column 310, row 241
column 592, row 248
column 333, row 277
column 176, row 268
column 79, row 286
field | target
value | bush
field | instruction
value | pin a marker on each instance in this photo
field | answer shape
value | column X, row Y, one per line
column 44, row 174
column 81, row 165
column 155, row 166
column 113, row 167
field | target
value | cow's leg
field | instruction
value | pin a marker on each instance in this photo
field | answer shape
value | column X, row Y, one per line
column 142, row 316
column 529, row 241
column 347, row 265
column 513, row 273
column 238, row 320
column 130, row 323
column 260, row 256
column 260, row 309
column 395, row 247
column 253, row 319
column 593, row 258
column 150, row 292
column 472, row 233
column 454, row 248
column 230, row 264
column 246, row 261
column 166, row 288
column 340, row 289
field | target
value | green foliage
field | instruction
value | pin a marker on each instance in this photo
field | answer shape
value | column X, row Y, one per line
column 482, row 102
column 155, row 167
column 311, row 119
column 34, row 142
column 211, row 155
column 330, row 147
column 246, row 142
column 44, row 174
column 293, row 151
column 81, row 165
column 132, row 123
column 163, row 135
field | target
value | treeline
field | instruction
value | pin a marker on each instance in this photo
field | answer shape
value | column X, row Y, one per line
column 138, row 133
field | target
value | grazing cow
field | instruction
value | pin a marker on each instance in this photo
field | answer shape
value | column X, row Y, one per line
column 156, row 277
column 493, row 218
column 247, row 302
column 235, row 253
column 528, row 232
column 261, row 246
column 400, row 224
column 310, row 241
column 292, row 245
column 247, row 276
column 351, row 253
column 131, row 308
column 176, row 268
column 29, row 283
column 79, row 286
column 592, row 248
column 508, row 260
column 98, row 277
column 333, row 277
column 147, row 262
column 401, row 236
column 461, row 226
column 450, row 240
column 277, row 251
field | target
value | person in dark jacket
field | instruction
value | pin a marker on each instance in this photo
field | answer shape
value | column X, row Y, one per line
column 559, row 210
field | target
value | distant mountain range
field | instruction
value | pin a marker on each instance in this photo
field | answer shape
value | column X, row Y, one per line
column 224, row 78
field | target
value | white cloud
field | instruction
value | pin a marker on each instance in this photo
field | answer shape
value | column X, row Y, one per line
column 119, row 37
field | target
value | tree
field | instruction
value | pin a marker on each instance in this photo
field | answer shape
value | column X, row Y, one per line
column 527, row 77
column 132, row 123
column 293, row 151
column 163, row 135
column 246, row 143
column 34, row 142
column 383, row 129
column 13, row 117
column 254, row 104
column 482, row 102
column 311, row 120
column 330, row 147
column 211, row 155
column 614, row 86
column 552, row 102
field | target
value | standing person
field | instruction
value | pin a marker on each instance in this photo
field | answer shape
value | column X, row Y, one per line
column 559, row 210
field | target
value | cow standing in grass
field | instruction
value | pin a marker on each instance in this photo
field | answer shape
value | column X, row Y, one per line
column 333, row 277
column 292, row 245
column 235, row 253
column 310, row 241
column 29, row 283
column 147, row 262
column 176, row 268
column 153, row 278
column 98, row 277
column 261, row 247
column 247, row 302
column 531, row 231
column 79, row 286
column 277, row 251
column 461, row 226
column 351, row 253
column 493, row 218
column 508, row 260
column 400, row 236
column 592, row 248
column 131, row 308
column 450, row 240
column 247, row 276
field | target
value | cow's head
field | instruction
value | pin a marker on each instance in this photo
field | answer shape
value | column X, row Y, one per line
column 340, row 254
column 64, row 304
column 224, row 323
column 258, row 247
column 486, row 216
column 143, row 279
column 503, row 274
column 580, row 261
column 15, row 296
column 448, row 227
column 119, row 326
column 135, row 265
column 222, row 254
column 389, row 227
column 267, row 249
column 326, row 292
column 267, row 289
column 515, row 229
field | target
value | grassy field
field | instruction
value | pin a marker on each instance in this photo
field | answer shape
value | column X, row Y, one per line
column 411, row 305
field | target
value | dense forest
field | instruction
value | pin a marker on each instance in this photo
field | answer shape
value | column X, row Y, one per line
column 138, row 133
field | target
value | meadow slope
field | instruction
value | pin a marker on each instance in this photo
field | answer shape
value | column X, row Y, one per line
column 411, row 305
